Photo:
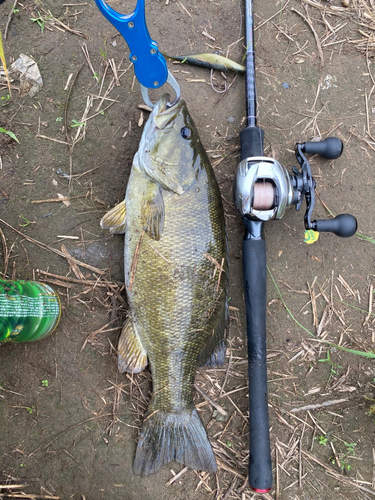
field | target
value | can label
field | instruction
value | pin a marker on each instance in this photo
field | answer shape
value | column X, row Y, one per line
column 29, row 310
column 33, row 307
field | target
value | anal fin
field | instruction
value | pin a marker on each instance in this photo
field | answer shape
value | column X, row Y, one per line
column 132, row 357
column 115, row 219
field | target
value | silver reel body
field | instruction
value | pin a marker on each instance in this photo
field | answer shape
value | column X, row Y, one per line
column 251, row 173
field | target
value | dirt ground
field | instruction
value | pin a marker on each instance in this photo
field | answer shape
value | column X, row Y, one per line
column 68, row 420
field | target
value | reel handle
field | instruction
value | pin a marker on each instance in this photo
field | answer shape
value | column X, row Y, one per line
column 343, row 225
column 331, row 148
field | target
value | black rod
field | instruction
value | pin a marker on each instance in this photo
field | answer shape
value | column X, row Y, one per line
column 251, row 98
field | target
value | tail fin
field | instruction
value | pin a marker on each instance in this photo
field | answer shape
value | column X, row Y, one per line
column 173, row 436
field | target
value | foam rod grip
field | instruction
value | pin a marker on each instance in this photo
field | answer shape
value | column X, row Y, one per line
column 255, row 278
column 251, row 139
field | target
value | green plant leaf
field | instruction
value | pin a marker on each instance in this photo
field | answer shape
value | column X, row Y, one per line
column 8, row 132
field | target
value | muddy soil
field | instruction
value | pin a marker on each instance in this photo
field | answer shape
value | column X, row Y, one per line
column 68, row 420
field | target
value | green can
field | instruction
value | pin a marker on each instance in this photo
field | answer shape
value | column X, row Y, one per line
column 29, row 310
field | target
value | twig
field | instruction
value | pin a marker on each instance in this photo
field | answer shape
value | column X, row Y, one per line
column 70, row 146
column 300, row 468
column 276, row 14
column 335, row 453
column 75, row 32
column 82, row 123
column 313, row 304
column 55, row 200
column 27, row 495
column 87, row 55
column 230, row 489
column 223, row 465
column 369, row 304
column 6, row 254
column 321, row 405
column 73, row 280
column 219, row 277
column 333, row 473
column 67, row 430
column 73, row 266
column 213, row 260
column 12, row 392
column 54, row 250
column 11, row 486
column 66, row 106
column 157, row 252
column 10, row 17
column 51, row 139
column 177, row 476
column 114, row 69
column 100, row 330
column 211, row 401
column 307, row 20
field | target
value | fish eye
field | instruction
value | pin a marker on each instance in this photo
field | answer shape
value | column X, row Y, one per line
column 185, row 132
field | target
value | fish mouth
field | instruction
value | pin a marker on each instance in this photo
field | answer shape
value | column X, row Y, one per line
column 165, row 113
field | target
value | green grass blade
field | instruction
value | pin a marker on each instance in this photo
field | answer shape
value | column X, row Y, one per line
column 368, row 355
column 286, row 307
column 363, row 237
column 8, row 132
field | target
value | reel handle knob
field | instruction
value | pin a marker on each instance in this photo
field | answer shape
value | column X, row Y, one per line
column 331, row 148
column 343, row 225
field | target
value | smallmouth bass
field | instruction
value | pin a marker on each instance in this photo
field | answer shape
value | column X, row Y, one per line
column 176, row 282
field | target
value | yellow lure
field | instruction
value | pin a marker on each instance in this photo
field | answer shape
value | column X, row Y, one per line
column 311, row 236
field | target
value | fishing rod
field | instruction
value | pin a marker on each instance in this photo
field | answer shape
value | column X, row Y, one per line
column 263, row 189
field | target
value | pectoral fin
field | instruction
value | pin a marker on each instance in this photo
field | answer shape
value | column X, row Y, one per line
column 153, row 213
column 115, row 219
column 132, row 357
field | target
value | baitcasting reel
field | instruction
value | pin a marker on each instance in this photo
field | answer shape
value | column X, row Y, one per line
column 263, row 188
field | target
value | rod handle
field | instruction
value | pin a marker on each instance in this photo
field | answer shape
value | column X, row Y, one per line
column 255, row 279
column 331, row 148
column 251, row 142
